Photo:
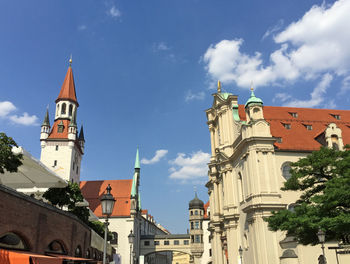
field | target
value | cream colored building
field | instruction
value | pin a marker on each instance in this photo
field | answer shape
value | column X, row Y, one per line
column 251, row 148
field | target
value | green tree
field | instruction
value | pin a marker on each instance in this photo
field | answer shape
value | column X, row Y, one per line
column 68, row 196
column 8, row 160
column 323, row 178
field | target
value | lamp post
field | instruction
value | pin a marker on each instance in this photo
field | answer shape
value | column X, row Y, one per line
column 240, row 251
column 107, row 204
column 131, row 237
column 322, row 237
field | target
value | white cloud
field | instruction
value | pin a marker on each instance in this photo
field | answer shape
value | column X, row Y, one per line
column 162, row 46
column 114, row 12
column 160, row 153
column 317, row 95
column 25, row 119
column 194, row 96
column 273, row 29
column 315, row 47
column 6, row 107
column 191, row 167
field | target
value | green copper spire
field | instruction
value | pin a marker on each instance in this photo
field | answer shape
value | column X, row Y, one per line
column 137, row 160
column 139, row 201
column 46, row 119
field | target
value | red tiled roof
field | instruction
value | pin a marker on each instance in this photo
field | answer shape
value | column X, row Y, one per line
column 298, row 137
column 54, row 130
column 68, row 88
column 121, row 190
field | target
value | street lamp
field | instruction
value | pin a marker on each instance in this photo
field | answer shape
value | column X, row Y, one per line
column 131, row 237
column 240, row 251
column 107, row 204
column 322, row 237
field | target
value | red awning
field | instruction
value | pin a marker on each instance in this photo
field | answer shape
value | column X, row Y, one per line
column 22, row 257
column 71, row 258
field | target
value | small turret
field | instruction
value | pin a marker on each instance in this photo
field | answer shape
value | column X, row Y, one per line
column 196, row 212
column 45, row 127
column 254, row 107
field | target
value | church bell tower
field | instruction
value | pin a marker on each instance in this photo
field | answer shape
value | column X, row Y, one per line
column 62, row 148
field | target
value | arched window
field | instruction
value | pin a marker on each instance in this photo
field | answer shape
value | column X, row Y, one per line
column 286, row 170
column 56, row 247
column 87, row 253
column 70, row 109
column 291, row 207
column 77, row 252
column 335, row 142
column 196, row 212
column 191, row 212
column 63, row 110
column 14, row 241
column 58, row 109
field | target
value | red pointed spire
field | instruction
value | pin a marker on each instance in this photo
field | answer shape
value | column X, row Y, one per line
column 68, row 87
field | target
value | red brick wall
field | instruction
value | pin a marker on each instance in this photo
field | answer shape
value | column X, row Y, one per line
column 39, row 223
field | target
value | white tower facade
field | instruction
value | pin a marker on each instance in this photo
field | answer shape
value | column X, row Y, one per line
column 62, row 148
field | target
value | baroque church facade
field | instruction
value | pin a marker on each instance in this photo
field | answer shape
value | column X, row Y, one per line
column 252, row 146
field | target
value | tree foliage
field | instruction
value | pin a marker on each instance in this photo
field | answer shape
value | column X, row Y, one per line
column 8, row 160
column 69, row 197
column 323, row 178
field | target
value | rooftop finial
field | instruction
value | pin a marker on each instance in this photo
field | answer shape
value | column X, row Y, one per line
column 219, row 87
column 70, row 61
column 251, row 86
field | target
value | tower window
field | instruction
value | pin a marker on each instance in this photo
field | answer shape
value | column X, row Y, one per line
column 191, row 225
column 70, row 110
column 197, row 239
column 63, row 110
column 186, row 242
column 56, row 147
column 176, row 242
column 196, row 212
column 58, row 109
column 166, row 243
column 191, row 212
column 60, row 127
column 77, row 169
column 196, row 225
column 55, row 163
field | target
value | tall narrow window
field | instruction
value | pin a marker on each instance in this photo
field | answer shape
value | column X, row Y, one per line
column 58, row 109
column 55, row 163
column 56, row 147
column 286, row 170
column 70, row 110
column 63, row 110
column 240, row 187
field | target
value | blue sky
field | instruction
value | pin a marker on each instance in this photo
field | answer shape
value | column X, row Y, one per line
column 145, row 72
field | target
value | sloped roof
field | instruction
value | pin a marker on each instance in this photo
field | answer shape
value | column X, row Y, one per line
column 54, row 130
column 121, row 189
column 68, row 88
column 298, row 137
